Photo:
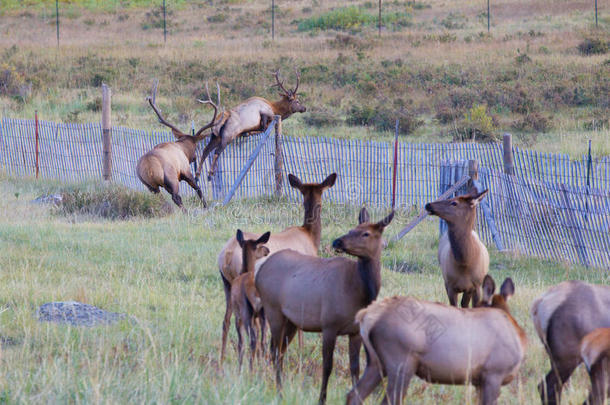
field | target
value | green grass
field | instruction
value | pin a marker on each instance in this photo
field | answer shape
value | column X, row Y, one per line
column 352, row 18
column 162, row 273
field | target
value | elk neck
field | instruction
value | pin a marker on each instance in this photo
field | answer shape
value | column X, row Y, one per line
column 463, row 245
column 369, row 270
column 312, row 223
column 247, row 260
column 282, row 107
column 188, row 145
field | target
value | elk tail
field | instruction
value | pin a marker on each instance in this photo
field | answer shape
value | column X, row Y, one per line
column 367, row 318
column 544, row 308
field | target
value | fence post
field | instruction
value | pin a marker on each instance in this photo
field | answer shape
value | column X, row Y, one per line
column 507, row 147
column 106, row 132
column 473, row 172
column 36, row 134
column 279, row 157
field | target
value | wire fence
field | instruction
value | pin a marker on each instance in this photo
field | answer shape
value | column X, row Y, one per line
column 545, row 209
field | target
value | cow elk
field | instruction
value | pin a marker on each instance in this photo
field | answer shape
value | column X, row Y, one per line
column 562, row 316
column 322, row 294
column 404, row 336
column 169, row 163
column 254, row 114
column 595, row 353
column 304, row 239
column 463, row 258
column 244, row 297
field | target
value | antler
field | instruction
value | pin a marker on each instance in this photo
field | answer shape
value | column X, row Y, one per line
column 210, row 102
column 151, row 101
column 280, row 84
column 298, row 75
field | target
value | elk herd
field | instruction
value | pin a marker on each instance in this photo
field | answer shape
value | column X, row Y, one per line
column 278, row 279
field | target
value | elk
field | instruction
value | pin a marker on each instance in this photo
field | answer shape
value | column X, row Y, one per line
column 322, row 294
column 463, row 257
column 254, row 114
column 304, row 239
column 562, row 316
column 595, row 353
column 244, row 297
column 405, row 336
column 168, row 163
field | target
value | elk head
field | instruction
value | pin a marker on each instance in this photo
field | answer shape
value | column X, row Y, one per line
column 289, row 97
column 497, row 300
column 364, row 241
column 253, row 250
column 457, row 210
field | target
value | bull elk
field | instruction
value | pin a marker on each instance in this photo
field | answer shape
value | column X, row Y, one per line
column 562, row 316
column 244, row 297
column 595, row 353
column 254, row 114
column 404, row 336
column 304, row 239
column 322, row 294
column 463, row 257
column 169, row 163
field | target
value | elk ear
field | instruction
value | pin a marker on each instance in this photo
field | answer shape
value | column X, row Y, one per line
column 294, row 181
column 475, row 198
column 489, row 286
column 262, row 251
column 386, row 221
column 329, row 181
column 363, row 216
column 508, row 288
column 264, row 238
column 240, row 237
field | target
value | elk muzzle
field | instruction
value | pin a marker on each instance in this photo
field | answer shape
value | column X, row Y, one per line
column 338, row 245
column 429, row 208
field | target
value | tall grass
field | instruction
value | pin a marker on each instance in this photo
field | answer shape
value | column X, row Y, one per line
column 162, row 273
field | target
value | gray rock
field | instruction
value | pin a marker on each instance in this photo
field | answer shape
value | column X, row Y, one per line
column 54, row 199
column 76, row 314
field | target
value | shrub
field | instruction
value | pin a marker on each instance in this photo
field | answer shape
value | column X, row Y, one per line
column 454, row 21
column 110, row 202
column 383, row 118
column 532, row 122
column 352, row 18
column 321, row 117
column 593, row 46
column 217, row 18
column 13, row 83
column 476, row 125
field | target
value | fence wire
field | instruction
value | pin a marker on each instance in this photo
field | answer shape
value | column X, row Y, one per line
column 545, row 210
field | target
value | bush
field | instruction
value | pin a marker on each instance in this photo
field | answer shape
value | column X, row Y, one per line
column 352, row 18
column 321, row 117
column 13, row 83
column 593, row 46
column 476, row 125
column 383, row 118
column 532, row 122
column 217, row 18
column 111, row 202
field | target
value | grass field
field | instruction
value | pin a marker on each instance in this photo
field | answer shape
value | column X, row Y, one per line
column 162, row 272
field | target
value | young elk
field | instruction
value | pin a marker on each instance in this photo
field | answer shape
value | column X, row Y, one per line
column 322, row 295
column 463, row 257
column 168, row 163
column 304, row 239
column 595, row 353
column 254, row 114
column 404, row 336
column 244, row 297
column 562, row 316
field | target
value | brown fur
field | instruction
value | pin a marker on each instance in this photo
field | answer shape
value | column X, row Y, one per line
column 463, row 258
column 244, row 297
column 562, row 316
column 405, row 336
column 322, row 295
column 304, row 239
column 595, row 353
column 254, row 114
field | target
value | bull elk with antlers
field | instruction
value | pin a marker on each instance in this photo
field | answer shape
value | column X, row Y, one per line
column 254, row 114
column 169, row 163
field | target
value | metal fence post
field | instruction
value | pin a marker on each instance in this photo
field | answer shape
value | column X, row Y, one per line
column 36, row 134
column 507, row 147
column 106, row 132
column 279, row 157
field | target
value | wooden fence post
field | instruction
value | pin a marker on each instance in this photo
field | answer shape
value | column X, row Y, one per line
column 279, row 157
column 507, row 147
column 473, row 172
column 36, row 135
column 106, row 132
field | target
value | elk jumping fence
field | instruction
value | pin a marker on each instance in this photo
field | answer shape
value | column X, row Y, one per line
column 546, row 209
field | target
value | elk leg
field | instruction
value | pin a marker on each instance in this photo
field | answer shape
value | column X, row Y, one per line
column 263, row 331
column 253, row 338
column 476, row 296
column 170, row 183
column 399, row 377
column 490, row 390
column 466, row 299
column 214, row 142
column 600, row 382
column 191, row 182
column 217, row 153
column 329, row 338
column 369, row 381
column 550, row 388
column 240, row 349
column 227, row 320
column 452, row 294
column 355, row 341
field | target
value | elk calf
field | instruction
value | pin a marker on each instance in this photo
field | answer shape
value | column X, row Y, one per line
column 244, row 297
column 322, row 295
column 304, row 239
column 169, row 163
column 562, row 316
column 254, row 114
column 463, row 257
column 405, row 336
column 595, row 353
